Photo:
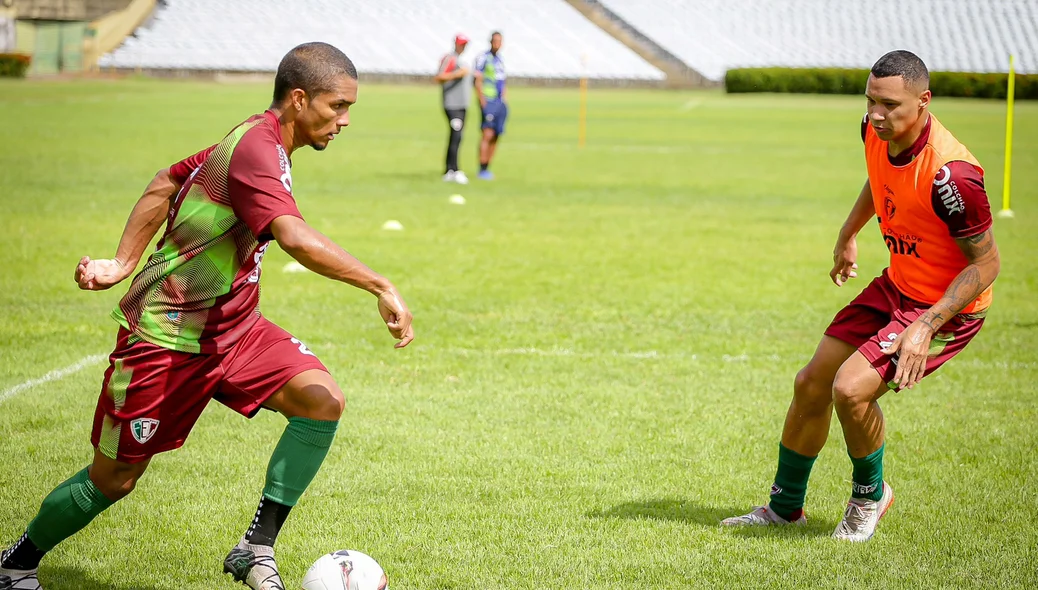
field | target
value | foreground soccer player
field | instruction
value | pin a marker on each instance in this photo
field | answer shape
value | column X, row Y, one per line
column 927, row 192
column 191, row 330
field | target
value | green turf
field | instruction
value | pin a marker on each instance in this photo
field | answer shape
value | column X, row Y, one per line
column 607, row 340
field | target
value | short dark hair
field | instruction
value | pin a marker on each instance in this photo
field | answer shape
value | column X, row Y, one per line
column 495, row 33
column 904, row 64
column 312, row 67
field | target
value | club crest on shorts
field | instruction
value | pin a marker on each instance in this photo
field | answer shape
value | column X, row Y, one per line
column 143, row 429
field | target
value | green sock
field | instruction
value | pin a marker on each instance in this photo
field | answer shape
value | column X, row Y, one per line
column 297, row 458
column 66, row 510
column 868, row 476
column 790, row 488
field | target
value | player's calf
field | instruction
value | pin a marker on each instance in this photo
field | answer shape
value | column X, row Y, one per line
column 64, row 512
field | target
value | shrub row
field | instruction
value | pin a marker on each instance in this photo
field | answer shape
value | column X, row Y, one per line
column 14, row 65
column 852, row 81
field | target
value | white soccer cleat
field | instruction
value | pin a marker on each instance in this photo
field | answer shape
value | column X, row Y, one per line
column 254, row 566
column 861, row 517
column 450, row 176
column 19, row 580
column 460, row 178
column 760, row 516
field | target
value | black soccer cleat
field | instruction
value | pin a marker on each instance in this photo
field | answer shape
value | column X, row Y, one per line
column 19, row 580
column 252, row 565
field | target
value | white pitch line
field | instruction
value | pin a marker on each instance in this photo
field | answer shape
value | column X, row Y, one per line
column 53, row 375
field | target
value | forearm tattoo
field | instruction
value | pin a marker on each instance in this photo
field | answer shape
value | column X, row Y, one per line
column 970, row 283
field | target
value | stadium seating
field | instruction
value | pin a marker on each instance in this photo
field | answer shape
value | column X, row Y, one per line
column 712, row 36
column 542, row 38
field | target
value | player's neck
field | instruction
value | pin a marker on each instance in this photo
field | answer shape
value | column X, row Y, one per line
column 895, row 148
column 287, row 129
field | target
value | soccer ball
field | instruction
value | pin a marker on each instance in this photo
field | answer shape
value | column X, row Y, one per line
column 345, row 570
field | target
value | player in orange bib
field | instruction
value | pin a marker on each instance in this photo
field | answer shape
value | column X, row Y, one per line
column 926, row 190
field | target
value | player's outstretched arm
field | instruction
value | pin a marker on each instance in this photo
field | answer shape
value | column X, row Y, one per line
column 320, row 254
column 914, row 343
column 145, row 220
column 845, row 254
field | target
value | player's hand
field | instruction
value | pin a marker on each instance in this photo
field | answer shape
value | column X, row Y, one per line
column 482, row 102
column 914, row 346
column 98, row 275
column 845, row 256
column 394, row 312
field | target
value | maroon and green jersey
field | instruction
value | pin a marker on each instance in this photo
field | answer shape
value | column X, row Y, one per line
column 199, row 291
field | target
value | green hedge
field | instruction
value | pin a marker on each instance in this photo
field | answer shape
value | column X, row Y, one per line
column 852, row 81
column 14, row 65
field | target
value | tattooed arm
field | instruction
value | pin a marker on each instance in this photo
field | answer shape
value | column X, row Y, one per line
column 982, row 254
column 914, row 342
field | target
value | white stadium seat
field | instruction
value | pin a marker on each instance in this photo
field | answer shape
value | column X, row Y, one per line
column 712, row 36
column 542, row 38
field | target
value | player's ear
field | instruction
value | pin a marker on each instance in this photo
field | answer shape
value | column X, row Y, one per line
column 299, row 99
column 924, row 98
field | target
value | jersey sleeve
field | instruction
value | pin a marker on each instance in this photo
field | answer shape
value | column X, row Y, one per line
column 259, row 183
column 481, row 63
column 447, row 64
column 960, row 201
column 180, row 171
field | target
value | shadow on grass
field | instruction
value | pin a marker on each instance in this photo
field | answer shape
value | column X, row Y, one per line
column 63, row 577
column 689, row 511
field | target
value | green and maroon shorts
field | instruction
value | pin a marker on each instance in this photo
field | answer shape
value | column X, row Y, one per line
column 152, row 396
column 874, row 319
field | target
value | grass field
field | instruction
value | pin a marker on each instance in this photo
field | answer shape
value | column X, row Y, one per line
column 607, row 340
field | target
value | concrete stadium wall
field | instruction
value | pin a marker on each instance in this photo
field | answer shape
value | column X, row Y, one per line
column 377, row 78
column 112, row 29
column 69, row 10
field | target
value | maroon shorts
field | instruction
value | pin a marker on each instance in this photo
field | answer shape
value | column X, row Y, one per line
column 152, row 396
column 875, row 318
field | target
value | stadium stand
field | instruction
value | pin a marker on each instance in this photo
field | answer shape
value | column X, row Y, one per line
column 543, row 38
column 712, row 36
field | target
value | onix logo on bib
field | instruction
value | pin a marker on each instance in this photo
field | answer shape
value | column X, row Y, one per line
column 286, row 169
column 143, row 429
column 903, row 244
column 257, row 257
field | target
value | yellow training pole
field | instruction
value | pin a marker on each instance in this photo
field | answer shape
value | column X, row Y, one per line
column 1006, row 211
column 582, row 122
column 582, row 133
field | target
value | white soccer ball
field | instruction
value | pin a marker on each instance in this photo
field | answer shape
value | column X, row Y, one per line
column 345, row 570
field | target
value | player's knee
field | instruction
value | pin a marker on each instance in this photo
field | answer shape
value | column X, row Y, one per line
column 118, row 483
column 811, row 390
column 847, row 393
column 324, row 402
column 334, row 404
